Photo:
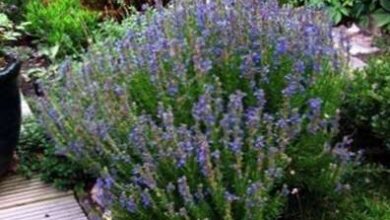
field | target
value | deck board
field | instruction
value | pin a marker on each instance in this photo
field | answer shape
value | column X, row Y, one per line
column 22, row 199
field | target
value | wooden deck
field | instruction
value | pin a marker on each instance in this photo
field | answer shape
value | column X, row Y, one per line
column 22, row 199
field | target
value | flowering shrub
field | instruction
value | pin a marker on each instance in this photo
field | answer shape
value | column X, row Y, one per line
column 202, row 112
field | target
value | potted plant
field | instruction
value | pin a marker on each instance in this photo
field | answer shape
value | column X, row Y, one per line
column 10, row 109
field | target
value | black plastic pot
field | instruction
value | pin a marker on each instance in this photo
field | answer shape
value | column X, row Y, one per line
column 10, row 111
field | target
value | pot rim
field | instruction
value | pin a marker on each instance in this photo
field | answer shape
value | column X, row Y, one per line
column 10, row 60
column 11, row 69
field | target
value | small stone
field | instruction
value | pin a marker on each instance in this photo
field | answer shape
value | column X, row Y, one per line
column 356, row 63
column 359, row 49
column 95, row 192
column 353, row 30
column 363, row 40
column 26, row 111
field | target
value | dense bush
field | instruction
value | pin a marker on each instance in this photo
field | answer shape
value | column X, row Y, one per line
column 212, row 110
column 369, row 197
column 60, row 22
column 368, row 102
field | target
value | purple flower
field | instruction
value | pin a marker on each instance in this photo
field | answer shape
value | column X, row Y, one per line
column 184, row 189
column 314, row 115
column 341, row 150
column 118, row 90
column 253, row 188
column 294, row 85
column 315, row 105
column 235, row 101
column 203, row 156
column 299, row 66
column 173, row 89
column 146, row 199
column 76, row 147
column 281, row 46
column 236, row 145
column 202, row 110
column 54, row 115
column 204, row 66
column 259, row 142
column 103, row 186
column 128, row 203
column 252, row 117
column 260, row 96
column 256, row 58
column 99, row 129
column 231, row 197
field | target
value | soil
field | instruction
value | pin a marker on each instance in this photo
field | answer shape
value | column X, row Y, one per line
column 3, row 62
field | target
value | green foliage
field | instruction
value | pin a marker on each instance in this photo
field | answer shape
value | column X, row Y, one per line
column 315, row 177
column 369, row 197
column 61, row 22
column 38, row 156
column 365, row 197
column 366, row 12
column 112, row 30
column 383, row 42
column 338, row 9
column 368, row 99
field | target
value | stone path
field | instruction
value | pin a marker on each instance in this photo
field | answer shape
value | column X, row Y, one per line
column 22, row 199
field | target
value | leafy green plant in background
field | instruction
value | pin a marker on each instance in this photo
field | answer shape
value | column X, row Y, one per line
column 37, row 156
column 366, row 12
column 381, row 15
column 111, row 30
column 61, row 22
column 9, row 31
column 338, row 9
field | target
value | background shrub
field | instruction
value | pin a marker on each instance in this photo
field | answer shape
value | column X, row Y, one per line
column 366, row 12
column 202, row 112
column 111, row 30
column 367, row 108
column 61, row 23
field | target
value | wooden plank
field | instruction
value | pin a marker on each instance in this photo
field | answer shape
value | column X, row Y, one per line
column 39, row 211
column 62, row 203
column 16, row 181
column 21, row 188
column 22, row 199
